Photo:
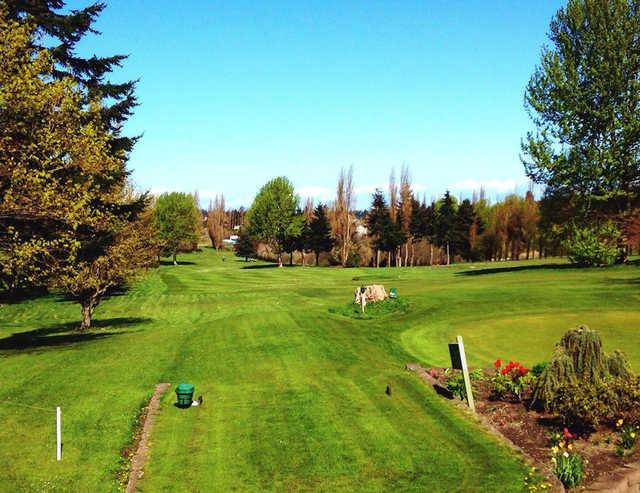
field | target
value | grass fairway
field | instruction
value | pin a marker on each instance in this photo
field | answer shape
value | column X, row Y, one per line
column 293, row 385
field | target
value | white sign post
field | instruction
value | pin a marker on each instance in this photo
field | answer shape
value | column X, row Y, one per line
column 58, row 433
column 465, row 374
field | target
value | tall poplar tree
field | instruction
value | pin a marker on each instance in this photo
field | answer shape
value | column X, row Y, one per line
column 584, row 101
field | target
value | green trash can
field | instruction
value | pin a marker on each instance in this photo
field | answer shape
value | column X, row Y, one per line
column 184, row 391
column 393, row 293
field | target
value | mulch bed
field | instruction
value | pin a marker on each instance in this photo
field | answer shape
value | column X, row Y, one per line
column 530, row 431
column 141, row 442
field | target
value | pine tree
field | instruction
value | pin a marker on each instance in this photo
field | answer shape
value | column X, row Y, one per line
column 245, row 246
column 386, row 233
column 430, row 227
column 417, row 228
column 464, row 221
column 445, row 224
column 376, row 219
column 65, row 29
column 65, row 215
column 320, row 239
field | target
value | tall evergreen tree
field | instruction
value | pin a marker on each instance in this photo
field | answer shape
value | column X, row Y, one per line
column 63, row 28
column 376, row 221
column 245, row 247
column 386, row 232
column 445, row 224
column 66, row 218
column 416, row 224
column 430, row 226
column 320, row 239
column 464, row 222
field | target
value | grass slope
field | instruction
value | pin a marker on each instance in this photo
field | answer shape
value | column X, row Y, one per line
column 294, row 394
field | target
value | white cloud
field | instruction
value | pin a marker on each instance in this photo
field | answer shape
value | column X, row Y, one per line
column 368, row 189
column 493, row 185
column 315, row 192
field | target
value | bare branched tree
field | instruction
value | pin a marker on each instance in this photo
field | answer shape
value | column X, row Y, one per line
column 343, row 218
column 216, row 218
column 406, row 208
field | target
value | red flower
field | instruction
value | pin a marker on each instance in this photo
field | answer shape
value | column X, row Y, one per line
column 497, row 363
column 523, row 371
column 505, row 370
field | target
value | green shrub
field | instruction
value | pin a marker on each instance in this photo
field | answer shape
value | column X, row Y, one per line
column 586, row 405
column 578, row 360
column 374, row 309
column 593, row 246
column 455, row 382
column 617, row 365
column 538, row 368
column 353, row 259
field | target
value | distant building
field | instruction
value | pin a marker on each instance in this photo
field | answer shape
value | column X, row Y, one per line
column 232, row 240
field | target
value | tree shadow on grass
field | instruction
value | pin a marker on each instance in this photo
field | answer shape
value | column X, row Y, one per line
column 514, row 268
column 67, row 334
column 10, row 298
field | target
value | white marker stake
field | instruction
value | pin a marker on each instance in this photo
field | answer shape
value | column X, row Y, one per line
column 465, row 374
column 58, row 433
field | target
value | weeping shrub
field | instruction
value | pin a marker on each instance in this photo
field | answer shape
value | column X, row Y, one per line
column 618, row 366
column 578, row 361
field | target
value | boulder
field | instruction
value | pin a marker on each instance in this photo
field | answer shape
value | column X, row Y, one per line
column 372, row 293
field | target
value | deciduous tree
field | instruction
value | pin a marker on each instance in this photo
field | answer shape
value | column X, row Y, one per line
column 273, row 216
column 343, row 217
column 216, row 221
column 583, row 99
column 178, row 222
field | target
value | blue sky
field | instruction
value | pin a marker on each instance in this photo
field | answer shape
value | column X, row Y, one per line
column 235, row 93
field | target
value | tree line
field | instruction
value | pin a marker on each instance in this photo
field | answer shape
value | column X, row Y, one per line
column 398, row 229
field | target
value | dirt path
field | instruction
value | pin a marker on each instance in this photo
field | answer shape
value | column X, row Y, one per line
column 140, row 458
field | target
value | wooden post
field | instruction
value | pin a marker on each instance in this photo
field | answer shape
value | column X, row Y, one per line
column 58, row 433
column 465, row 374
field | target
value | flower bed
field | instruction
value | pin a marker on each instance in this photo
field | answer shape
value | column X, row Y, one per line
column 503, row 397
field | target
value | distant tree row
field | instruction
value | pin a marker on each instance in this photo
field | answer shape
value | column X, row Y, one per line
column 276, row 219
